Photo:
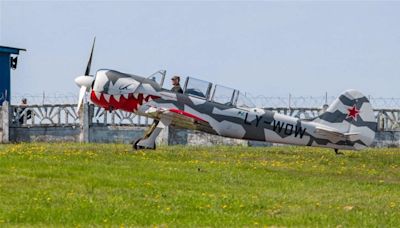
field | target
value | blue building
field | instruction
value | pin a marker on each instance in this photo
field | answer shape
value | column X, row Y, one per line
column 8, row 61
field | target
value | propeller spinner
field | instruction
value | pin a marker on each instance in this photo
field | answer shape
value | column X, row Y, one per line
column 85, row 81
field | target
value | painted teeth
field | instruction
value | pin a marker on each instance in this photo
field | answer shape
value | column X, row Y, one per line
column 126, row 95
column 117, row 97
column 149, row 98
column 135, row 95
column 97, row 94
column 107, row 97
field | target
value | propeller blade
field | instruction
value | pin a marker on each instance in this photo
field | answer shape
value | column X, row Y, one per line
column 86, row 81
column 82, row 92
column 87, row 72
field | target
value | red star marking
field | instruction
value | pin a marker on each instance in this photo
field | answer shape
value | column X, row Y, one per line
column 353, row 112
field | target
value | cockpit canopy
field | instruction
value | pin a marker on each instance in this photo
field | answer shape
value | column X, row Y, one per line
column 198, row 88
column 205, row 90
column 158, row 77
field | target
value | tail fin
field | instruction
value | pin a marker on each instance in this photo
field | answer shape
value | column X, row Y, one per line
column 352, row 116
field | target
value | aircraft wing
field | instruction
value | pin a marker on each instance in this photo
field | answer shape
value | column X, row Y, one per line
column 332, row 133
column 180, row 118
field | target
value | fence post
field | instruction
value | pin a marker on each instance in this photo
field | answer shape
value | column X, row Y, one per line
column 84, row 123
column 5, row 122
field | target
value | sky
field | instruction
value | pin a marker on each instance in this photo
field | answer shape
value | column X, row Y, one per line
column 271, row 48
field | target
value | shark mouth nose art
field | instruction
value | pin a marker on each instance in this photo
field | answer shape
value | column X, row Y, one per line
column 130, row 102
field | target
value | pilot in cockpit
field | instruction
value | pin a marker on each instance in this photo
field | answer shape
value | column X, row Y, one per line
column 176, row 87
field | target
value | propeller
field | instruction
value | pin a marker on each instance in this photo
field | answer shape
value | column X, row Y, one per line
column 85, row 81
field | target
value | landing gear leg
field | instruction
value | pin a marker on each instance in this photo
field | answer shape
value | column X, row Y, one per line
column 148, row 141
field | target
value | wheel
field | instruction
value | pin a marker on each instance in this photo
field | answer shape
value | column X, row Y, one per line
column 138, row 147
column 135, row 144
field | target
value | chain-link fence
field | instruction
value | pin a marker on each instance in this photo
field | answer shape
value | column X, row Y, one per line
column 318, row 102
column 44, row 98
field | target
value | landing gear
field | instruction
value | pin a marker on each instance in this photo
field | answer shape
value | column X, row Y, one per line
column 337, row 152
column 140, row 147
column 149, row 139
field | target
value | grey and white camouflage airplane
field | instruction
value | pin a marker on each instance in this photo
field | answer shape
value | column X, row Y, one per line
column 348, row 123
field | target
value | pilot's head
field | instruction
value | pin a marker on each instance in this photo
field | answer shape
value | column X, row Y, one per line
column 175, row 80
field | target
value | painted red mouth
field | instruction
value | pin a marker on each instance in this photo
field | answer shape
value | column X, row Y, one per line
column 128, row 102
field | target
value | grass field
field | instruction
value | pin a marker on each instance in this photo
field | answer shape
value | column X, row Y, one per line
column 98, row 184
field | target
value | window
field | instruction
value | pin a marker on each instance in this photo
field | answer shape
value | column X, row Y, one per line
column 158, row 77
column 243, row 101
column 198, row 88
column 223, row 95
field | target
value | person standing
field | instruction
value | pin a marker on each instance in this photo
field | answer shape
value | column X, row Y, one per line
column 22, row 113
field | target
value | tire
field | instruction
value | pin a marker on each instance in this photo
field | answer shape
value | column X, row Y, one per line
column 137, row 147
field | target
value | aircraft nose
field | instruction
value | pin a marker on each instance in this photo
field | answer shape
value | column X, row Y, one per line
column 84, row 81
column 102, row 82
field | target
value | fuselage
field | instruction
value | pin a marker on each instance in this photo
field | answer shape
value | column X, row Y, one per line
column 113, row 90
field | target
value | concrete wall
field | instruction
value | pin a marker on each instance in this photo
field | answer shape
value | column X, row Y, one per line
column 111, row 134
column 44, row 134
column 201, row 138
column 101, row 134
column 189, row 137
column 170, row 136
column 4, row 122
column 387, row 139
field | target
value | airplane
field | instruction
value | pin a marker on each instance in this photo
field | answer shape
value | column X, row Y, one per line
column 348, row 123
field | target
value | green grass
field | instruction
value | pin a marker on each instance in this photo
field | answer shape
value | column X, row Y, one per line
column 97, row 184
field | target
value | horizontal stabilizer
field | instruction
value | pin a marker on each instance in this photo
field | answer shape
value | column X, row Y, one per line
column 333, row 133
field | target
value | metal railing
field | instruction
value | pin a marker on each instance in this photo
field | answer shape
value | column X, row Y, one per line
column 100, row 116
column 388, row 119
column 33, row 115
column 66, row 115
